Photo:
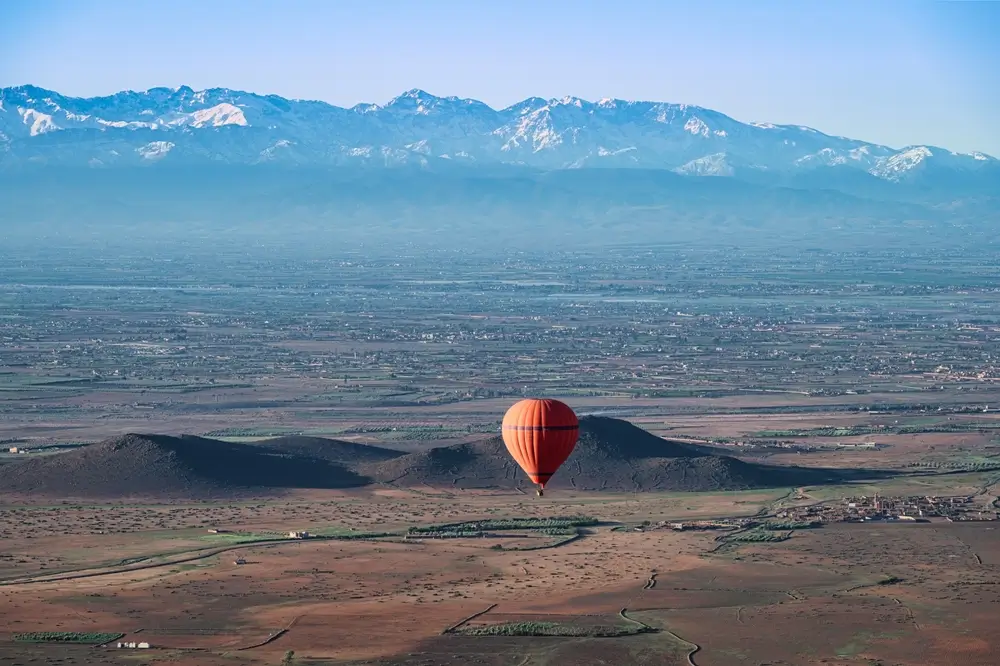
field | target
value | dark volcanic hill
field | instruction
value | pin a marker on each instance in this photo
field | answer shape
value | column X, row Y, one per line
column 610, row 455
column 163, row 466
column 331, row 450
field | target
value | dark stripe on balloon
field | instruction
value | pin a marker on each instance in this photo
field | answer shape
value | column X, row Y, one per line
column 541, row 428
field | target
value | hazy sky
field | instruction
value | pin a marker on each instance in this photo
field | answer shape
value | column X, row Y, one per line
column 895, row 72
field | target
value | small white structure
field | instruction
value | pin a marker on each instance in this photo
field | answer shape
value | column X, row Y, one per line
column 13, row 449
column 143, row 646
column 298, row 535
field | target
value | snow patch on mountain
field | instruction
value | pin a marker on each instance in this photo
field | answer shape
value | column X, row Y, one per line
column 38, row 123
column 826, row 156
column 155, row 150
column 567, row 101
column 535, row 129
column 420, row 103
column 710, row 165
column 895, row 166
column 664, row 113
column 604, row 152
column 215, row 116
column 127, row 124
column 271, row 152
column 696, row 126
column 421, row 147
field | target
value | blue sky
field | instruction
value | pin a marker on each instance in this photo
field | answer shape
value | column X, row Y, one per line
column 896, row 72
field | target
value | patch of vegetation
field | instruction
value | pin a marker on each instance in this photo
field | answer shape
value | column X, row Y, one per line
column 449, row 534
column 552, row 629
column 759, row 535
column 859, row 430
column 252, row 432
column 959, row 465
column 472, row 534
column 784, row 525
column 553, row 526
column 361, row 535
column 66, row 637
column 890, row 580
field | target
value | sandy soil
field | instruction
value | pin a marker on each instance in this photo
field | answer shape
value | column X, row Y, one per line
column 812, row 599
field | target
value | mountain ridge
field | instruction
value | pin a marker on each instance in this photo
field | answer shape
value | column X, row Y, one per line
column 225, row 126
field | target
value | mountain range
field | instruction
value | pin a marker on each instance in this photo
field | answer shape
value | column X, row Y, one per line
column 174, row 165
column 223, row 126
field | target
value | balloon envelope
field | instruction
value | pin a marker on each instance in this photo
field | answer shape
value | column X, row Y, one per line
column 540, row 435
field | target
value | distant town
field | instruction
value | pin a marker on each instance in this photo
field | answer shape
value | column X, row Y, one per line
column 862, row 509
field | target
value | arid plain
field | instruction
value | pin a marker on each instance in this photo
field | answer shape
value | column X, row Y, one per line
column 817, row 374
column 845, row 593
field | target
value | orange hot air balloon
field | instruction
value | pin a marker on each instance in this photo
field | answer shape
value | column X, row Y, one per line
column 540, row 435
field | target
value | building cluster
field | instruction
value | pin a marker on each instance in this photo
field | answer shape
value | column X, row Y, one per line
column 720, row 524
column 913, row 508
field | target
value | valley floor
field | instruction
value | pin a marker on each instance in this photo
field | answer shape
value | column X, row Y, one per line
column 844, row 594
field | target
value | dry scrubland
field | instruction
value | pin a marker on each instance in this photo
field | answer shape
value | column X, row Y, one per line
column 843, row 594
column 814, row 359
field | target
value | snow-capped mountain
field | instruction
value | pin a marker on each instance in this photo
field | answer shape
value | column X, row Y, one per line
column 222, row 126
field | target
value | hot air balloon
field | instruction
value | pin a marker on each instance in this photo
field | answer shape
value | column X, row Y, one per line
column 540, row 435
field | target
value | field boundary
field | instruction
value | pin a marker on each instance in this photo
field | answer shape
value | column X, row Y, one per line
column 470, row 618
